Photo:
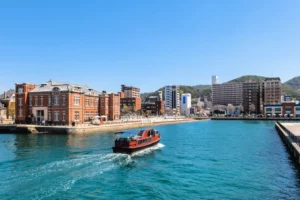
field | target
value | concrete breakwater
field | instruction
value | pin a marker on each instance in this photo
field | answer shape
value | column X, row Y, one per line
column 258, row 118
column 37, row 129
column 290, row 134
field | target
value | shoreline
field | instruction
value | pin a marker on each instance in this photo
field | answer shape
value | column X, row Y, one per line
column 38, row 129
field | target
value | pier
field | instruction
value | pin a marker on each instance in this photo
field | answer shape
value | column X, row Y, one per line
column 290, row 134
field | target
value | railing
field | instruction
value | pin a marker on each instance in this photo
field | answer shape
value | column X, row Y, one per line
column 293, row 137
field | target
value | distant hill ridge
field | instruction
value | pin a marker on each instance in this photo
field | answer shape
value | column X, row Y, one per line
column 289, row 88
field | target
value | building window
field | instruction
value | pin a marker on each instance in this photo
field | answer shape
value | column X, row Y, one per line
column 76, row 116
column 86, row 102
column 49, row 100
column 86, row 116
column 64, row 116
column 20, row 112
column 92, row 102
column 35, row 100
column 20, row 101
column 64, row 100
column 77, row 100
column 42, row 100
column 49, row 116
column 56, row 100
column 30, row 101
column 56, row 116
column 20, row 90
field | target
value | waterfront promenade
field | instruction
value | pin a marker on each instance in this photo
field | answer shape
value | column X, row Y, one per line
column 290, row 134
column 88, row 128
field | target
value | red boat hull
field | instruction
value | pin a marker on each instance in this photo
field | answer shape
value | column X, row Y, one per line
column 133, row 150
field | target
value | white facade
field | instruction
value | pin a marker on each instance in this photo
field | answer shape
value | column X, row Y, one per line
column 214, row 80
column 186, row 104
column 172, row 97
column 160, row 95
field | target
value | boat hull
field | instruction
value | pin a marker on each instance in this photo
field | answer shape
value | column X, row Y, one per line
column 133, row 150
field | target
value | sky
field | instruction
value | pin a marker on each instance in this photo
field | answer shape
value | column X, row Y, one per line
column 147, row 43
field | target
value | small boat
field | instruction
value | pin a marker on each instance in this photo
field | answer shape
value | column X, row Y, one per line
column 129, row 142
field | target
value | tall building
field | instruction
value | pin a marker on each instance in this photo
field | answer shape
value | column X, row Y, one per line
column 272, row 91
column 55, row 103
column 172, row 97
column 252, row 97
column 130, row 91
column 214, row 80
column 186, row 104
column 227, row 93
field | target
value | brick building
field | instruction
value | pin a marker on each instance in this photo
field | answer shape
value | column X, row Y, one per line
column 272, row 91
column 133, row 104
column 252, row 97
column 130, row 91
column 110, row 105
column 130, row 98
column 286, row 108
column 55, row 103
column 155, row 108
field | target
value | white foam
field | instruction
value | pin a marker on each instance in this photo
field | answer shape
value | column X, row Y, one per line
column 148, row 150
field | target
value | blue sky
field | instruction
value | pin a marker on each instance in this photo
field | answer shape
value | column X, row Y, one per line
column 148, row 43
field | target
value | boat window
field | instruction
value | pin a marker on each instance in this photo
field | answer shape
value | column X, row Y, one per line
column 140, row 133
column 140, row 142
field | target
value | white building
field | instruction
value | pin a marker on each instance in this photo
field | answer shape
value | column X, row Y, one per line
column 160, row 95
column 186, row 104
column 214, row 80
column 172, row 98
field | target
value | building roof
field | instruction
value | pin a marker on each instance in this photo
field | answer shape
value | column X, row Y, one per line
column 64, row 87
column 8, row 94
column 272, row 79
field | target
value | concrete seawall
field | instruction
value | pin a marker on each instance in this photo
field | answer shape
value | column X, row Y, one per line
column 256, row 118
column 290, row 135
column 36, row 129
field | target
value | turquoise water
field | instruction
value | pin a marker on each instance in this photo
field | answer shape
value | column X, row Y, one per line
column 201, row 160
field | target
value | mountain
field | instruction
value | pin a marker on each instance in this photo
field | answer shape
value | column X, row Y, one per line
column 195, row 91
column 294, row 83
column 248, row 77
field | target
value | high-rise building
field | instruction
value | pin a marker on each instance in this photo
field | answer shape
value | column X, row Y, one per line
column 227, row 93
column 186, row 104
column 172, row 97
column 252, row 97
column 130, row 91
column 272, row 91
column 214, row 80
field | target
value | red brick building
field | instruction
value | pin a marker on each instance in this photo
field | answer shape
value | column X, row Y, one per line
column 133, row 104
column 130, row 98
column 110, row 105
column 55, row 103
column 155, row 108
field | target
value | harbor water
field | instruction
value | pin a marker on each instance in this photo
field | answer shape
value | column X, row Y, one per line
column 199, row 160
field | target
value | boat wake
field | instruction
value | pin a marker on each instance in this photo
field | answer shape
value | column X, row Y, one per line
column 60, row 176
column 148, row 150
column 53, row 178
